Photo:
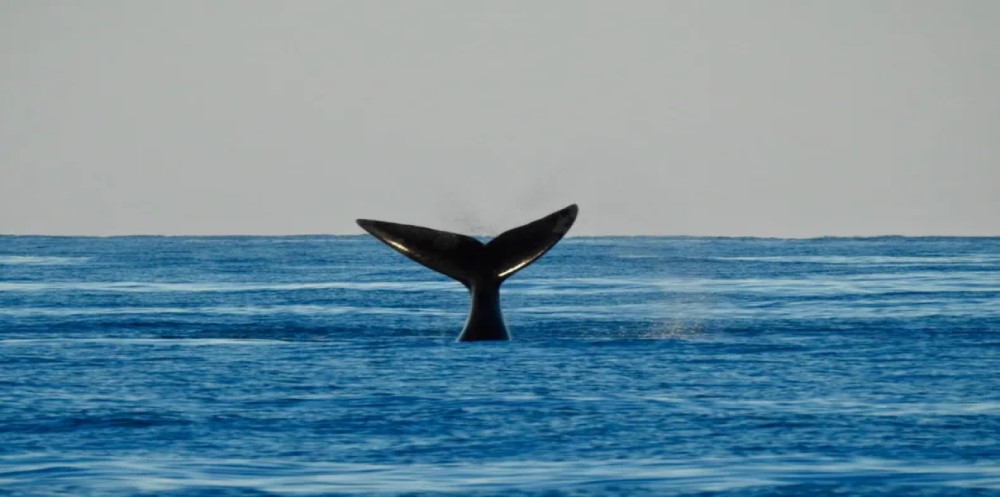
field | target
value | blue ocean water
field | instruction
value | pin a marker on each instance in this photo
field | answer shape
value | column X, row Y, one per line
column 323, row 365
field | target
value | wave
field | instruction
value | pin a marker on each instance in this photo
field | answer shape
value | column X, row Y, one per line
column 871, row 260
column 143, row 341
column 222, row 287
column 823, row 285
column 297, row 309
column 699, row 309
column 769, row 310
column 911, row 282
column 881, row 408
column 707, row 474
column 33, row 260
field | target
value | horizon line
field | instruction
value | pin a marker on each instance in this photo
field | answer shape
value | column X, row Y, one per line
column 322, row 235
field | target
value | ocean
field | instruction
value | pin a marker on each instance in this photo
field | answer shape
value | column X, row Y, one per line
column 327, row 365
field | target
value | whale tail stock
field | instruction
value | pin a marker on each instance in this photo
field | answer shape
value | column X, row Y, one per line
column 482, row 268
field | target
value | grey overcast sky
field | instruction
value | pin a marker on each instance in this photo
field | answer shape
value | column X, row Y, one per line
column 764, row 118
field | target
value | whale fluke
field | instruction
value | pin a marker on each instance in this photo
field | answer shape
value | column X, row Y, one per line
column 482, row 268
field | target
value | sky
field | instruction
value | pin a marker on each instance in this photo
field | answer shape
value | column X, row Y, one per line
column 725, row 118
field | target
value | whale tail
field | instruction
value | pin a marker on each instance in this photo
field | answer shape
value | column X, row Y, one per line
column 480, row 267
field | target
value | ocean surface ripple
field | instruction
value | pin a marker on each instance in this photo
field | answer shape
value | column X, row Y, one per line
column 326, row 365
